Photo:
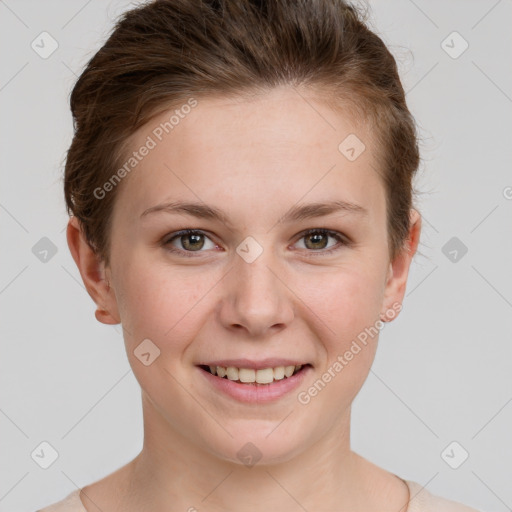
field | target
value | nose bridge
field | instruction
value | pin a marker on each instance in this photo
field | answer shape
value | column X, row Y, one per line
column 257, row 298
column 256, row 282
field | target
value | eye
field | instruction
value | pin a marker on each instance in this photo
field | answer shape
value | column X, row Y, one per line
column 190, row 240
column 317, row 239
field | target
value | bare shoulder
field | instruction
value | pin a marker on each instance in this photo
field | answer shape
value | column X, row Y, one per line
column 401, row 495
column 424, row 501
column 108, row 493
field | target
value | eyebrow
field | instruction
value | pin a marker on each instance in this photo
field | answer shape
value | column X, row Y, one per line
column 296, row 213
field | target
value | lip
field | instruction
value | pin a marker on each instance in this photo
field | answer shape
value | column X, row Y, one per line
column 255, row 393
column 271, row 362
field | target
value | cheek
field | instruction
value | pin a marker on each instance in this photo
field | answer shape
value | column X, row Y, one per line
column 348, row 302
column 161, row 303
column 346, row 299
column 349, row 305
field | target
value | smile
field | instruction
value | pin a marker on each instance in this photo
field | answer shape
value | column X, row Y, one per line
column 250, row 385
column 252, row 376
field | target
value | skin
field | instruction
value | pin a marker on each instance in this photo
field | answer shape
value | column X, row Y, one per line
column 255, row 159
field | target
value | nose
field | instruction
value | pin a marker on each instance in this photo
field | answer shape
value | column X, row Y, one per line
column 256, row 298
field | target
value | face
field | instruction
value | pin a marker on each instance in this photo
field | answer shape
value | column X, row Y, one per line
column 252, row 284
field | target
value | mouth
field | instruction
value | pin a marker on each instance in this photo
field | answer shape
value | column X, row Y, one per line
column 255, row 377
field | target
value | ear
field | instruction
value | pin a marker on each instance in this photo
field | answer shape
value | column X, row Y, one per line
column 398, row 272
column 94, row 274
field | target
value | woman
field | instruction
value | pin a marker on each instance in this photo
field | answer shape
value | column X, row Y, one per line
column 240, row 184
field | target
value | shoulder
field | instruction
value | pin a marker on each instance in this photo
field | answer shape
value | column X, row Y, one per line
column 423, row 501
column 71, row 503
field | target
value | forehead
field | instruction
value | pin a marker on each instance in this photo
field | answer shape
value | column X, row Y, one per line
column 257, row 152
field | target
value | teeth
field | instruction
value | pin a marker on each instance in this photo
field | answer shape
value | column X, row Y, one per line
column 288, row 371
column 246, row 375
column 279, row 373
column 232, row 373
column 265, row 376
column 249, row 375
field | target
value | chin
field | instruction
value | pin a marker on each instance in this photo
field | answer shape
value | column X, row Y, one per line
column 259, row 450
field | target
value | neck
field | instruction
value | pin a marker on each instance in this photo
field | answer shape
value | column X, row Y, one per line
column 172, row 469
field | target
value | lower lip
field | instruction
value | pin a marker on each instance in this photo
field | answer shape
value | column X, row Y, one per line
column 256, row 393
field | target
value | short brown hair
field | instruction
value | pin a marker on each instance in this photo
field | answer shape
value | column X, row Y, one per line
column 166, row 51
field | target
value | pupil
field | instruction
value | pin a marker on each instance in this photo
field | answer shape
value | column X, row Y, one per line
column 195, row 238
column 316, row 235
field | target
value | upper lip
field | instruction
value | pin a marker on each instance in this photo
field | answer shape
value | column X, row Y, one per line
column 272, row 362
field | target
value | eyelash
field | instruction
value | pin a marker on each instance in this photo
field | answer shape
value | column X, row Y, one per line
column 320, row 252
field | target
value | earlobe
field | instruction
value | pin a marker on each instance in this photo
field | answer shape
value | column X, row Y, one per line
column 104, row 316
column 398, row 273
column 93, row 274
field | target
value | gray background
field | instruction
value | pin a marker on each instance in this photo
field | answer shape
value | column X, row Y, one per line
column 442, row 371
